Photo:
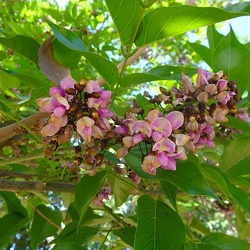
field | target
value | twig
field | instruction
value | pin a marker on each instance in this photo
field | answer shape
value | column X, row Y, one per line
column 40, row 213
column 40, row 186
column 16, row 128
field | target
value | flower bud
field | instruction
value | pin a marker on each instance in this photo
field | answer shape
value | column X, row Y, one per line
column 71, row 91
column 79, row 87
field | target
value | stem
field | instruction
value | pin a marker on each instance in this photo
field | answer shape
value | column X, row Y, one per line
column 27, row 158
column 40, row 213
column 20, row 123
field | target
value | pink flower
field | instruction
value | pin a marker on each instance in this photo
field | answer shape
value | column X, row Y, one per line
column 162, row 125
column 150, row 164
column 202, row 77
column 152, row 114
column 54, row 125
column 55, row 104
column 242, row 114
column 165, row 144
column 181, row 139
column 219, row 114
column 223, row 97
column 92, row 86
column 140, row 126
column 176, row 119
column 221, row 84
column 211, row 89
column 57, row 91
column 187, row 84
column 67, row 82
column 121, row 130
column 167, row 162
column 84, row 128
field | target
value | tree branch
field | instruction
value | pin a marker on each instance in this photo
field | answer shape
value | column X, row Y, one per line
column 9, row 131
column 39, row 186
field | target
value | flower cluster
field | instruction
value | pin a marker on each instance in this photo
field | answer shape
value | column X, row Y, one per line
column 182, row 119
column 80, row 107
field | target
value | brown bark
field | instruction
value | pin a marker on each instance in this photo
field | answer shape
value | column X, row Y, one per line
column 38, row 186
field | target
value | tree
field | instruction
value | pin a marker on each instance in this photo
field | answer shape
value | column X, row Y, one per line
column 107, row 143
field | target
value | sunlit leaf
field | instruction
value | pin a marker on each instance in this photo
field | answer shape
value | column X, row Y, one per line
column 158, row 225
column 175, row 20
column 25, row 45
column 225, row 242
column 42, row 228
column 237, row 150
column 126, row 27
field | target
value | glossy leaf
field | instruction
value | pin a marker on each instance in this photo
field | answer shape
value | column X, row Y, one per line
column 228, row 56
column 2, row 55
column 188, row 178
column 179, row 19
column 127, row 234
column 11, row 224
column 126, row 27
column 121, row 188
column 106, row 68
column 237, row 123
column 238, row 195
column 225, row 242
column 42, row 228
column 69, row 246
column 158, row 225
column 237, row 150
column 25, row 45
column 86, row 189
column 214, row 37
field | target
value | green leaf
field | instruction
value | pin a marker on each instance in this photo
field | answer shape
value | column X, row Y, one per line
column 69, row 246
column 237, row 150
column 179, row 19
column 214, row 37
column 158, row 226
column 239, row 169
column 225, row 242
column 229, row 56
column 126, row 27
column 170, row 191
column 199, row 226
column 237, row 123
column 238, row 195
column 2, row 55
column 11, row 224
column 25, row 45
column 42, row 228
column 127, row 235
column 67, row 37
column 105, row 68
column 121, row 188
column 8, row 81
column 188, row 178
column 71, row 234
column 156, row 74
column 86, row 189
column 13, row 203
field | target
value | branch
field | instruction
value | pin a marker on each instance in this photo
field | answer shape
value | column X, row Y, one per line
column 39, row 186
column 10, row 131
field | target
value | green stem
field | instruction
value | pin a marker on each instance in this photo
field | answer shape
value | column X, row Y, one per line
column 21, row 124
column 17, row 160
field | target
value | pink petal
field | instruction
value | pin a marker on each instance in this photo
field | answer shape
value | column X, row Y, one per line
column 176, row 119
column 67, row 82
column 59, row 111
column 164, row 144
column 50, row 130
column 162, row 125
column 57, row 90
column 92, row 86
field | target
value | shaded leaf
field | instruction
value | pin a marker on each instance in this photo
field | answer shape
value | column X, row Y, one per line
column 158, row 225
column 121, row 188
column 11, row 224
column 188, row 178
column 27, row 46
column 42, row 228
column 237, row 123
column 236, row 151
column 170, row 191
column 13, row 203
column 2, row 55
column 71, row 234
column 225, row 242
column 69, row 246
column 86, row 189
column 127, row 235
column 180, row 19
column 126, row 27
column 238, row 195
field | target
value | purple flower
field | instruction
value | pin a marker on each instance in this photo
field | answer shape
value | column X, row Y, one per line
column 67, row 82
column 57, row 91
column 162, row 125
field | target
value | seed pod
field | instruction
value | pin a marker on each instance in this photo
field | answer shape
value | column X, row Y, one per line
column 71, row 91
